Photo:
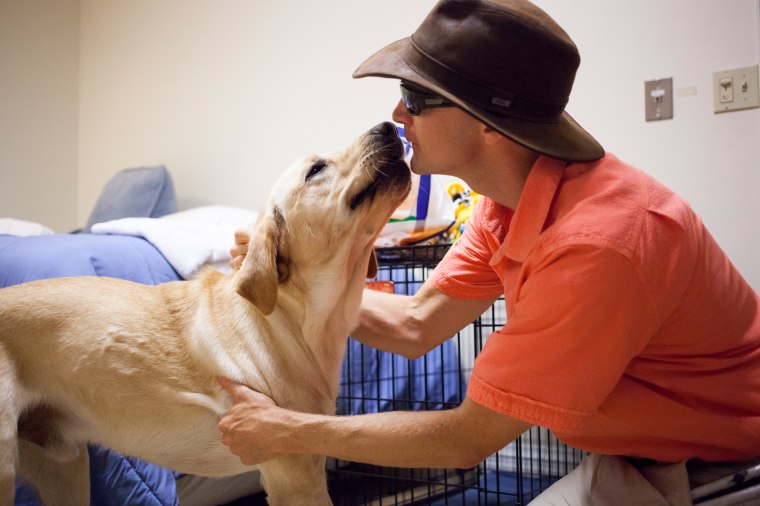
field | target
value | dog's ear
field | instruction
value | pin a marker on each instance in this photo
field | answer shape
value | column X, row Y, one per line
column 266, row 264
column 372, row 267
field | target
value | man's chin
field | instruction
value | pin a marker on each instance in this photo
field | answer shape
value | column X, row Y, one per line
column 416, row 165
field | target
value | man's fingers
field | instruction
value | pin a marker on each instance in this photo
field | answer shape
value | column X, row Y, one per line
column 242, row 236
column 237, row 390
column 240, row 248
column 236, row 262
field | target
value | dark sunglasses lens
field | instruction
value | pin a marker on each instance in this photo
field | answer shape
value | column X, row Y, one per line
column 411, row 99
column 417, row 101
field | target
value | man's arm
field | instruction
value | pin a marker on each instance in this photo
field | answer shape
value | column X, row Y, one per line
column 257, row 430
column 406, row 325
column 415, row 324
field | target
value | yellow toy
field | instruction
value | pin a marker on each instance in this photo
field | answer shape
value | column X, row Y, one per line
column 465, row 200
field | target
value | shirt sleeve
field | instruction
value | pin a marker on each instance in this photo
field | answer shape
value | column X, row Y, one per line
column 579, row 318
column 465, row 272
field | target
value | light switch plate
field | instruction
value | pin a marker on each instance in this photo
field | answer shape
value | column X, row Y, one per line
column 658, row 99
column 736, row 89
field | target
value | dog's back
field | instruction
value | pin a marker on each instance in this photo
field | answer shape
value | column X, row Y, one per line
column 68, row 330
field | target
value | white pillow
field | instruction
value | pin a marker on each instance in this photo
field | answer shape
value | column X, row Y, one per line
column 214, row 215
column 11, row 226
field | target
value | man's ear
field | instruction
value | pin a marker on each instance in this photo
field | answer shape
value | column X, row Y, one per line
column 490, row 135
column 372, row 267
column 266, row 264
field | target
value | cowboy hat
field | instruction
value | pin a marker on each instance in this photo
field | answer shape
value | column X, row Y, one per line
column 505, row 62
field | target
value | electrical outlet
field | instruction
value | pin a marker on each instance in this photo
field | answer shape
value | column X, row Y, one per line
column 736, row 89
column 658, row 99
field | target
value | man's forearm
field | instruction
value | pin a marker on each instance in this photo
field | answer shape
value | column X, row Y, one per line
column 399, row 439
column 413, row 325
column 455, row 438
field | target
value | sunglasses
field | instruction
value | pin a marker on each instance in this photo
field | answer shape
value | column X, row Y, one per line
column 417, row 100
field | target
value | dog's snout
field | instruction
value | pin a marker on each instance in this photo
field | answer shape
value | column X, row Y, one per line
column 384, row 129
column 386, row 134
column 382, row 164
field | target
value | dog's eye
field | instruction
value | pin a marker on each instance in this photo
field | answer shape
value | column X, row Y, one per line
column 316, row 168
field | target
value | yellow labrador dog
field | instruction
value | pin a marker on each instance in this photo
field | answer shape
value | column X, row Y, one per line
column 134, row 367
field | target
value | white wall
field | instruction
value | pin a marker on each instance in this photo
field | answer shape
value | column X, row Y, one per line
column 39, row 87
column 228, row 93
column 713, row 161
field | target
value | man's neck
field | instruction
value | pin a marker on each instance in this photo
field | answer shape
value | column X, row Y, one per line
column 503, row 176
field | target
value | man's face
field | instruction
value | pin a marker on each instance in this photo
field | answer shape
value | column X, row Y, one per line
column 444, row 140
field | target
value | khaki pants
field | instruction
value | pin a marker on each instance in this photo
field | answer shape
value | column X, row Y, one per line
column 602, row 480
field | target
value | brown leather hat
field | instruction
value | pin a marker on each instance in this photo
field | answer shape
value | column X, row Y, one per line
column 505, row 62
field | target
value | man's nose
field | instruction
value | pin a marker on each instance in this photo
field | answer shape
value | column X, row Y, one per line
column 401, row 114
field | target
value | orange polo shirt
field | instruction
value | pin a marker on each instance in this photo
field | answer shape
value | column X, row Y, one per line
column 629, row 332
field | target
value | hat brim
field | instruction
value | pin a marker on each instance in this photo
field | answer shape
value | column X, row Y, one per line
column 564, row 139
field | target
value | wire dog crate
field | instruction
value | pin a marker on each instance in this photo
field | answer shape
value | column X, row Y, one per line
column 380, row 381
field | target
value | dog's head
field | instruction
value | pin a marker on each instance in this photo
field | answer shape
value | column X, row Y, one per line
column 324, row 212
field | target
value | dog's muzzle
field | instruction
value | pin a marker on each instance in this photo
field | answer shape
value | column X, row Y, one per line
column 386, row 160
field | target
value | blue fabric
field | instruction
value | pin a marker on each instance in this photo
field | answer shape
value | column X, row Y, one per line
column 25, row 259
column 116, row 480
column 407, row 144
column 373, row 381
column 423, row 197
column 142, row 192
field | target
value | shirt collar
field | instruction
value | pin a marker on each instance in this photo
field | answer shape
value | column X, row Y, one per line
column 532, row 209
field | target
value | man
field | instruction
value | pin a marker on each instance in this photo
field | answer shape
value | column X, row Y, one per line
column 629, row 333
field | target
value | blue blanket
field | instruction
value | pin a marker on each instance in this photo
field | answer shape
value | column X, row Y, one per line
column 25, row 259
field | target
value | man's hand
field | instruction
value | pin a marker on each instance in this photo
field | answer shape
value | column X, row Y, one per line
column 240, row 249
column 249, row 426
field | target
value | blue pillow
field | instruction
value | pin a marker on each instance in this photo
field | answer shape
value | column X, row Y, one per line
column 142, row 192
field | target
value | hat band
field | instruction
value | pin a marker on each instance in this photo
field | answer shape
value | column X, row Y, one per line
column 500, row 103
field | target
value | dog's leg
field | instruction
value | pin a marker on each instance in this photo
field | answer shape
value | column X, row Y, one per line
column 295, row 480
column 57, row 483
column 7, row 469
column 8, row 430
column 8, row 459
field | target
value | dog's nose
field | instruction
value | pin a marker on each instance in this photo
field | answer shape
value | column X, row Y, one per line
column 384, row 129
